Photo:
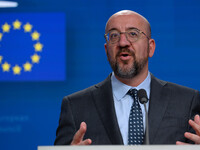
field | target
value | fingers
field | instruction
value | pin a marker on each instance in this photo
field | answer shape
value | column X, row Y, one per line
column 197, row 119
column 195, row 124
column 86, row 142
column 78, row 137
column 181, row 143
column 193, row 137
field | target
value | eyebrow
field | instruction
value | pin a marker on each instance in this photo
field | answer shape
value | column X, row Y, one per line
column 112, row 29
column 133, row 28
column 127, row 29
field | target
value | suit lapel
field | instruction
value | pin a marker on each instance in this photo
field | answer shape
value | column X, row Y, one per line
column 159, row 99
column 103, row 99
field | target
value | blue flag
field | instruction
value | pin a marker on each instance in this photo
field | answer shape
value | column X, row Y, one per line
column 32, row 47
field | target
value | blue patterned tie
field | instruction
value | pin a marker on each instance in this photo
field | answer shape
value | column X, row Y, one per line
column 136, row 129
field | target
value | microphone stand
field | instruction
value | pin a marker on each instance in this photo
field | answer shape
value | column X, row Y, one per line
column 142, row 94
column 147, row 126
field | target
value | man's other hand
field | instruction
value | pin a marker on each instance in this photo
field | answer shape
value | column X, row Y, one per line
column 78, row 137
column 193, row 137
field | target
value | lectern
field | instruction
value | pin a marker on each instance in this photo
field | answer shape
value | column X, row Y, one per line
column 141, row 147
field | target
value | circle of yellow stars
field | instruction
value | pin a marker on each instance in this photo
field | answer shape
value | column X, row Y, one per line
column 35, row 58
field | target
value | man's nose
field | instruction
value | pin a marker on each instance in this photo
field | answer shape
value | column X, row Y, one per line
column 123, row 40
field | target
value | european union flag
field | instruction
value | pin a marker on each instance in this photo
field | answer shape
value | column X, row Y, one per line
column 32, row 46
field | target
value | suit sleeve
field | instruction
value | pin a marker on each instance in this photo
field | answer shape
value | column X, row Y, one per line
column 66, row 128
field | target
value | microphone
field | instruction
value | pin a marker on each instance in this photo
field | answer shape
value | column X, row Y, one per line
column 142, row 95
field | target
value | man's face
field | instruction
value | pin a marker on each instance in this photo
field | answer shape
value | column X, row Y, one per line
column 127, row 59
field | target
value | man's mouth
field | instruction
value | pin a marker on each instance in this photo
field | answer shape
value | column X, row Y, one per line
column 124, row 56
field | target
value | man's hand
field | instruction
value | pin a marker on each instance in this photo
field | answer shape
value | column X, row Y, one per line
column 78, row 137
column 193, row 137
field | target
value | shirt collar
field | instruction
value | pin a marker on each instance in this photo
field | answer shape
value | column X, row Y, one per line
column 120, row 89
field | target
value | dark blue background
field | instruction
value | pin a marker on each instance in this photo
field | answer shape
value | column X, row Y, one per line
column 29, row 111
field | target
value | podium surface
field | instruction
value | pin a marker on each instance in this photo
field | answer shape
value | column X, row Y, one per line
column 121, row 147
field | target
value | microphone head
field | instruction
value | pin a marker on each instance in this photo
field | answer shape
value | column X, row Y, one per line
column 142, row 95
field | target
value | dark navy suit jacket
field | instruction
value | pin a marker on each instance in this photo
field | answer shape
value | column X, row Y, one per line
column 170, row 108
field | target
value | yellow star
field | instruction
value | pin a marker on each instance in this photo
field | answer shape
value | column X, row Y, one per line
column 1, row 35
column 6, row 27
column 27, row 66
column 35, row 58
column 35, row 35
column 6, row 67
column 1, row 58
column 28, row 27
column 38, row 47
column 17, row 24
column 16, row 70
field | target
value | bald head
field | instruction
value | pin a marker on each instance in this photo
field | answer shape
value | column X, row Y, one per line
column 127, row 16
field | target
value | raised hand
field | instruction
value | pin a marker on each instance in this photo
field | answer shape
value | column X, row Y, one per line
column 193, row 137
column 78, row 137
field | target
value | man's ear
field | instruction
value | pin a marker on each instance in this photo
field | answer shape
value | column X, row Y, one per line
column 105, row 46
column 152, row 46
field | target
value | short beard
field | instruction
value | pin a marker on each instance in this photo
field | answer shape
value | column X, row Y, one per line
column 127, row 73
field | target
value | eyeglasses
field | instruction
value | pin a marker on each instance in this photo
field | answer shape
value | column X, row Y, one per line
column 132, row 35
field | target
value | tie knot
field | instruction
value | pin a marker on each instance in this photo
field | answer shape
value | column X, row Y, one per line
column 133, row 93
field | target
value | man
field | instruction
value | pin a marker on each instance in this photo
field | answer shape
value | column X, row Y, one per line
column 102, row 114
